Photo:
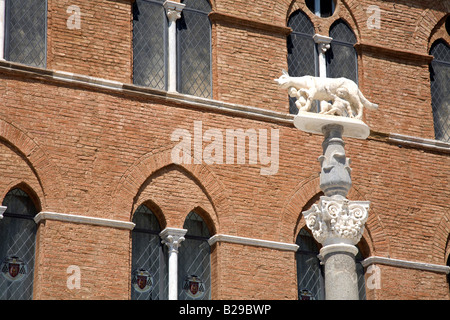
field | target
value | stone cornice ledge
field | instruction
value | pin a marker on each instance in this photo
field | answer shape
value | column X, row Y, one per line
column 253, row 242
column 417, row 142
column 406, row 264
column 64, row 217
column 179, row 99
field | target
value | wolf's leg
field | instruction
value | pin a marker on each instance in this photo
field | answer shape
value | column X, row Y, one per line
column 309, row 98
column 359, row 109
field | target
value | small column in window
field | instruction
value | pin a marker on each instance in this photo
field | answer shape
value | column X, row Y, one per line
column 172, row 238
column 323, row 44
column 173, row 11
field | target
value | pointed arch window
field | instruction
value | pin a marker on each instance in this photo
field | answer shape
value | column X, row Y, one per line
column 440, row 93
column 17, row 246
column 25, row 32
column 149, row 271
column 302, row 56
column 194, row 270
column 342, row 57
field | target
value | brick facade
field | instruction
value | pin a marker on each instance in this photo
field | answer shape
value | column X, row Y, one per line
column 95, row 149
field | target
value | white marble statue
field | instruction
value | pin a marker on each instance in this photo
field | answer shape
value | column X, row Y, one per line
column 344, row 94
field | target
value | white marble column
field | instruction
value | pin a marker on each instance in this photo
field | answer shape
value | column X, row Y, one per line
column 173, row 11
column 2, row 29
column 172, row 238
column 336, row 222
column 323, row 44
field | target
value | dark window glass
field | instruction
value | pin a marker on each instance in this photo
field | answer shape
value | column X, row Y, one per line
column 149, row 271
column 341, row 57
column 301, row 50
column 17, row 246
column 194, row 49
column 360, row 274
column 440, row 93
column 26, row 32
column 310, row 273
column 321, row 8
column 310, row 279
column 194, row 267
column 149, row 44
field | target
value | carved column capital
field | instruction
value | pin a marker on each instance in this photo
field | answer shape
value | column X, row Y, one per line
column 173, row 10
column 172, row 238
column 323, row 42
column 337, row 220
column 2, row 209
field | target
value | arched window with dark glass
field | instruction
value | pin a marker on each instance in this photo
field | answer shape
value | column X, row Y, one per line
column 301, row 50
column 26, row 32
column 310, row 278
column 148, row 265
column 194, row 49
column 341, row 57
column 17, row 246
column 149, row 44
column 440, row 93
column 194, row 262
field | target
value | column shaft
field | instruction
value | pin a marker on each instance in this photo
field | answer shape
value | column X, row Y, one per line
column 172, row 237
column 173, row 11
column 173, row 275
column 341, row 280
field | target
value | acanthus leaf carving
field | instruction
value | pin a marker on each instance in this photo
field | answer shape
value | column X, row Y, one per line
column 337, row 220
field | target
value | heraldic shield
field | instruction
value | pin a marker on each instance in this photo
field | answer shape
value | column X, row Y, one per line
column 142, row 280
column 194, row 287
column 14, row 268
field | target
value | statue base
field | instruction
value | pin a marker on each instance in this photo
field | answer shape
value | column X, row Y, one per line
column 314, row 122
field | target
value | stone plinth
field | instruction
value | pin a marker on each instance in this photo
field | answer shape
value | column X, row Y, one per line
column 314, row 122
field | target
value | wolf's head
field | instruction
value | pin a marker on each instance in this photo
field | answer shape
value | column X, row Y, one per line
column 284, row 80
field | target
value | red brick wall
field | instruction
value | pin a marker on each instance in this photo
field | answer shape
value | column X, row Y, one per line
column 101, row 153
column 100, row 48
column 101, row 253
